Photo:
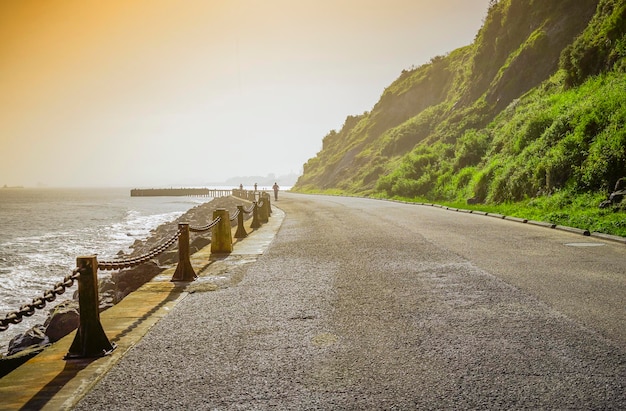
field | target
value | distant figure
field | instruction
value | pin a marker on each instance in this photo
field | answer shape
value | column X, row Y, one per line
column 241, row 187
column 275, row 187
column 254, row 186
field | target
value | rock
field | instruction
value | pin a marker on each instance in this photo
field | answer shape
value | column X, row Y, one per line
column 105, row 285
column 63, row 319
column 198, row 244
column 168, row 258
column 107, row 300
column 129, row 280
column 197, row 216
column 34, row 337
column 617, row 196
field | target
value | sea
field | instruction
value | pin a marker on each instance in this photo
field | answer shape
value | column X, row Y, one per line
column 43, row 230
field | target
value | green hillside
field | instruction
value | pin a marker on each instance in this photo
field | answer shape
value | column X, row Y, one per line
column 531, row 113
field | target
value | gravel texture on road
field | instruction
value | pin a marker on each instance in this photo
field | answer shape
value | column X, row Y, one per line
column 352, row 310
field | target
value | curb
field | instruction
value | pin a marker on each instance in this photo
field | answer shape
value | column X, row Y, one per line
column 574, row 230
column 609, row 237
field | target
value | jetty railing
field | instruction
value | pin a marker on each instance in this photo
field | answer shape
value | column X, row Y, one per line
column 90, row 339
column 179, row 192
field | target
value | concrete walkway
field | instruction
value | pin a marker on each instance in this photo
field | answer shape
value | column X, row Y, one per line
column 49, row 382
column 360, row 304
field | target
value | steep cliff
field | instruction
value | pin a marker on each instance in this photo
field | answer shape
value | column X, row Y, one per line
column 476, row 122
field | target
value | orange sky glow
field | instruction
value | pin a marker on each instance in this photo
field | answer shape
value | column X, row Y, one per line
column 122, row 93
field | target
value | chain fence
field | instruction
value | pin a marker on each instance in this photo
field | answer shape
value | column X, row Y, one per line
column 206, row 227
column 135, row 261
column 38, row 303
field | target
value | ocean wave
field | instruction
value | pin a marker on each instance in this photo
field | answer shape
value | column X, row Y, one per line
column 40, row 251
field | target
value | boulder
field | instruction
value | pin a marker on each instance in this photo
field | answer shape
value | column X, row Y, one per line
column 107, row 300
column 198, row 244
column 168, row 258
column 105, row 285
column 34, row 337
column 617, row 196
column 63, row 319
column 129, row 280
column 107, row 293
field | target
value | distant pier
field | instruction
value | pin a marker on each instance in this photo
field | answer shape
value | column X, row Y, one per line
column 179, row 192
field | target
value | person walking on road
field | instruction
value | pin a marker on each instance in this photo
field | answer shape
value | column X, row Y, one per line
column 275, row 187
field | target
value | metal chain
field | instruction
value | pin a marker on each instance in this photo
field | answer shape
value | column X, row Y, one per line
column 38, row 303
column 235, row 215
column 249, row 210
column 206, row 227
column 135, row 261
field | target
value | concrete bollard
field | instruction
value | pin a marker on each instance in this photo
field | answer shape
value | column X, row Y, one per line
column 241, row 230
column 184, row 269
column 255, row 217
column 90, row 340
column 221, row 236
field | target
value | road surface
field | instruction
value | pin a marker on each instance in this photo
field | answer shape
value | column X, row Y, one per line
column 364, row 304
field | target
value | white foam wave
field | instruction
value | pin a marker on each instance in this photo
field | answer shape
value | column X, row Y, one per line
column 32, row 264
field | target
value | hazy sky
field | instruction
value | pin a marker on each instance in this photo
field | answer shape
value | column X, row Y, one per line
column 150, row 93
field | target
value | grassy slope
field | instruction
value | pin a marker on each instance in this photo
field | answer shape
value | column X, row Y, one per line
column 545, row 143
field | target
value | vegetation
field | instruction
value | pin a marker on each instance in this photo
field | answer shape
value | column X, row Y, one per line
column 528, row 118
column 560, row 209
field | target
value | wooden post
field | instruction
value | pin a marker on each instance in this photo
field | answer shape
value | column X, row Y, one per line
column 255, row 216
column 269, row 204
column 263, row 217
column 90, row 340
column 184, row 269
column 221, row 236
column 241, row 230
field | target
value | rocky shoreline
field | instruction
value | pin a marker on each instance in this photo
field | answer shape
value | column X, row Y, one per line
column 113, row 287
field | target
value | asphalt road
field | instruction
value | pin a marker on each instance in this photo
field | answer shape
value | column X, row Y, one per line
column 364, row 304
